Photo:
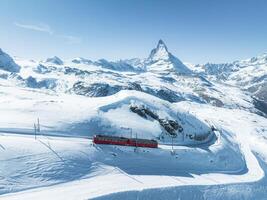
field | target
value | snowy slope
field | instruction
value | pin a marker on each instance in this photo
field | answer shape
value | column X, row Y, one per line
column 7, row 63
column 249, row 74
column 158, row 98
column 59, row 115
column 110, row 172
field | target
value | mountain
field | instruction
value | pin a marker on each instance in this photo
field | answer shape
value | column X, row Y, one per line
column 161, row 75
column 7, row 63
column 81, row 60
column 219, row 71
column 54, row 60
column 161, row 60
column 116, row 66
column 137, row 63
column 250, row 74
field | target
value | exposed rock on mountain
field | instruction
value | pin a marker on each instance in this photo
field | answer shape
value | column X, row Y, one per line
column 7, row 63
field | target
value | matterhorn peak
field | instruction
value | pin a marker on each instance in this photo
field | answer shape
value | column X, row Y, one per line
column 161, row 60
column 160, row 52
column 162, row 46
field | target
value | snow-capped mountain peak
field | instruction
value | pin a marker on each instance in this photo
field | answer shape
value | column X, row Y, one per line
column 160, row 52
column 249, row 74
column 55, row 60
column 7, row 63
column 80, row 60
column 261, row 59
column 161, row 60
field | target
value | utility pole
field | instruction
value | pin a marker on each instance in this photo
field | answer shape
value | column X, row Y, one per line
column 135, row 141
column 38, row 125
column 36, row 128
column 34, row 125
column 172, row 151
column 172, row 144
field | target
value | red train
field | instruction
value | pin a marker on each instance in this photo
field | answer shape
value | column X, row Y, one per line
column 115, row 140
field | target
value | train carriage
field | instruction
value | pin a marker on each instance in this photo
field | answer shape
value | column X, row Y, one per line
column 123, row 141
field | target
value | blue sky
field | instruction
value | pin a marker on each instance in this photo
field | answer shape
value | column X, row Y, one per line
column 196, row 31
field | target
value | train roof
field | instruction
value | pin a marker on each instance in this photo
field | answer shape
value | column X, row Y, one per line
column 119, row 137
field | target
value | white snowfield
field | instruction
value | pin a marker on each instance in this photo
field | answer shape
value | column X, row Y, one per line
column 73, row 168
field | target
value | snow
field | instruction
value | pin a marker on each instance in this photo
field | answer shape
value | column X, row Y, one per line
column 7, row 63
column 59, row 115
column 54, row 60
column 161, row 52
column 75, row 99
column 249, row 74
column 80, row 60
column 65, row 165
column 119, row 172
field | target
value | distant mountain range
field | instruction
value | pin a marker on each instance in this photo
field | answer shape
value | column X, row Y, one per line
column 249, row 75
column 240, row 84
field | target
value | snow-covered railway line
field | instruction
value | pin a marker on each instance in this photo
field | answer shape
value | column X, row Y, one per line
column 90, row 138
column 104, row 171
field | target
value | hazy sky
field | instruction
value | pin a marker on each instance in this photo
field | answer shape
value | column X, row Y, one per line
column 196, row 31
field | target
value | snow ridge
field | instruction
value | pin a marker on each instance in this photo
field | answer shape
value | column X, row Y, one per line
column 54, row 60
column 7, row 63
